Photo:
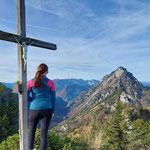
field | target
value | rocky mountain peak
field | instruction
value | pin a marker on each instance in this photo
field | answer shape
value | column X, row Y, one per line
column 124, row 80
column 120, row 71
column 118, row 78
column 131, row 89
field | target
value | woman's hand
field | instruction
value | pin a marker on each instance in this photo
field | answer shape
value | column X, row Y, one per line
column 52, row 115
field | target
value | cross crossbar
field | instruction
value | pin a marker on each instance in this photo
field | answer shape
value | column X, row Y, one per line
column 29, row 41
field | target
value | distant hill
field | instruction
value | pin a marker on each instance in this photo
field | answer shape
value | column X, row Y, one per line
column 146, row 84
column 68, row 89
column 8, row 85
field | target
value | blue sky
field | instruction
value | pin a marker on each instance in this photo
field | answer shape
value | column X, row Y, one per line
column 94, row 37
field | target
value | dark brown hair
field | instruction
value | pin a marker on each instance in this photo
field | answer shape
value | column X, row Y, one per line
column 38, row 83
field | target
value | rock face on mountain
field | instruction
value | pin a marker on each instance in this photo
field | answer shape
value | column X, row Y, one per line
column 130, row 91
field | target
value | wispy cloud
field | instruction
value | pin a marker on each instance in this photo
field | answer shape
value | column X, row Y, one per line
column 73, row 14
column 28, row 25
column 67, row 9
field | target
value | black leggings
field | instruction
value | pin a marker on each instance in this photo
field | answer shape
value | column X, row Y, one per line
column 44, row 116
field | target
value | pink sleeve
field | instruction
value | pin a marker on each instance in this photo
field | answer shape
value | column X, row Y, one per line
column 51, row 84
column 30, row 84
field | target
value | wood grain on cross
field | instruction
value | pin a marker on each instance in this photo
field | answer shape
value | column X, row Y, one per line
column 22, row 39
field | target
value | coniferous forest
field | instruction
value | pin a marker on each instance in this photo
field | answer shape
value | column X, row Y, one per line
column 8, row 113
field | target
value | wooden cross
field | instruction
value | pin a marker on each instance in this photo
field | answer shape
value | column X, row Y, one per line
column 22, row 67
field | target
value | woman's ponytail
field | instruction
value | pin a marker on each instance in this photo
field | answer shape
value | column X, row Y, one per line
column 38, row 83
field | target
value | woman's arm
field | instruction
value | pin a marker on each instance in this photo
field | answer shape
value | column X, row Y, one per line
column 29, row 97
column 53, row 96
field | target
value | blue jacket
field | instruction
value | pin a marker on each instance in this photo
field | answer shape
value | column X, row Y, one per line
column 42, row 98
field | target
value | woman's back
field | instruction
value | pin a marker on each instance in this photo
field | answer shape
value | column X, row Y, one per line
column 41, row 97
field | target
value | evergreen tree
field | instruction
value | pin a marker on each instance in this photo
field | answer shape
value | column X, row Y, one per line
column 140, row 135
column 115, row 134
column 8, row 113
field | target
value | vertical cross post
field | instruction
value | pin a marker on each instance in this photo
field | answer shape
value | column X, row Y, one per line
column 21, row 30
column 22, row 67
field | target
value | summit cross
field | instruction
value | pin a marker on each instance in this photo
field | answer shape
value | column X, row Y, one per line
column 23, row 43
